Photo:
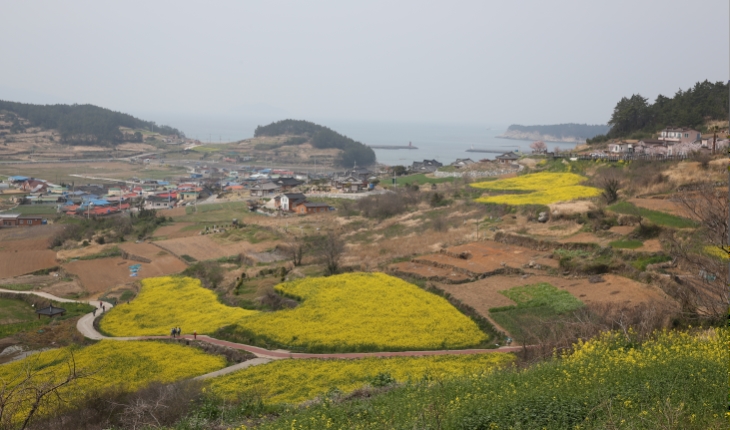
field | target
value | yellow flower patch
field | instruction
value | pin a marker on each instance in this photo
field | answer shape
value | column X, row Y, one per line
column 167, row 302
column 126, row 365
column 546, row 188
column 295, row 381
column 365, row 312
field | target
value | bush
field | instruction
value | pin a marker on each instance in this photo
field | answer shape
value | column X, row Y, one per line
column 210, row 273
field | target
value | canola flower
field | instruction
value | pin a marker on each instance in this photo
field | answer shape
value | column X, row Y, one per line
column 545, row 187
column 167, row 302
column 607, row 382
column 350, row 312
column 717, row 252
column 127, row 365
column 364, row 312
column 295, row 381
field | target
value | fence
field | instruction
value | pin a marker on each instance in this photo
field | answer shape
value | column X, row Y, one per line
column 625, row 157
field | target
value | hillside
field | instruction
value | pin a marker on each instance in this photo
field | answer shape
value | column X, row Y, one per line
column 85, row 125
column 634, row 117
column 554, row 133
column 319, row 137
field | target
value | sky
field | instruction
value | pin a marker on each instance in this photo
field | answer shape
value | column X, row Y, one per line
column 477, row 62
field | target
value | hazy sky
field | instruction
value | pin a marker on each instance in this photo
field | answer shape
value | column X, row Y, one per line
column 527, row 62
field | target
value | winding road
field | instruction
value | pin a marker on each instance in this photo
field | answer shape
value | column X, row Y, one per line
column 85, row 326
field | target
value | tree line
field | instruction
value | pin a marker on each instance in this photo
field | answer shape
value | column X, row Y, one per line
column 634, row 117
column 322, row 138
column 80, row 124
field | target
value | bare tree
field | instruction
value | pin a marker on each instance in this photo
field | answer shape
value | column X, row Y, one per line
column 295, row 249
column 703, row 290
column 611, row 184
column 35, row 388
column 330, row 249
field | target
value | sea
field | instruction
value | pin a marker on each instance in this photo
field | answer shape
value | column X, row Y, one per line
column 442, row 142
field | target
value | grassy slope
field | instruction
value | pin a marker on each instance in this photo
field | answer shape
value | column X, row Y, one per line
column 659, row 218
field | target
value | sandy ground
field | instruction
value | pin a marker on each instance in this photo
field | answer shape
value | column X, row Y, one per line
column 584, row 238
column 570, row 208
column 484, row 294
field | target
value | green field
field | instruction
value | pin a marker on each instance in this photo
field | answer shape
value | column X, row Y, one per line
column 15, row 311
column 535, row 304
column 216, row 213
column 658, row 218
column 206, row 148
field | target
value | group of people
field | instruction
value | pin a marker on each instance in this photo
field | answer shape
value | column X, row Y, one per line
column 175, row 332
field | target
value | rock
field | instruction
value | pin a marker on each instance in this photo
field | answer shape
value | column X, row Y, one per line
column 542, row 217
column 595, row 279
column 531, row 264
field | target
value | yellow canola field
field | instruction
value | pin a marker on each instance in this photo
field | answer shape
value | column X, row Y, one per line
column 546, row 188
column 167, row 302
column 350, row 312
column 364, row 312
column 295, row 381
column 129, row 366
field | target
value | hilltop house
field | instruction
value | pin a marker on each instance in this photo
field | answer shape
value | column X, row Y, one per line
column 354, row 180
column 425, row 166
column 462, row 162
column 507, row 158
column 672, row 135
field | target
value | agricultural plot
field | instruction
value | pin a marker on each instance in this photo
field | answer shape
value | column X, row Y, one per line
column 127, row 365
column 484, row 294
column 537, row 189
column 99, row 275
column 24, row 262
column 352, row 312
column 205, row 248
column 176, row 230
column 168, row 302
column 658, row 218
column 362, row 312
column 296, row 381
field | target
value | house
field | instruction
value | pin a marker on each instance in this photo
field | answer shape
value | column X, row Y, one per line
column 189, row 196
column 18, row 220
column 427, row 166
column 287, row 183
column 507, row 157
column 354, row 180
column 290, row 200
column 672, row 135
column 264, row 189
column 621, row 148
column 309, row 208
column 157, row 202
column 34, row 186
column 462, row 162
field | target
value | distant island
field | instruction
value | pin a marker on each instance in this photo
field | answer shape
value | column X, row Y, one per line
column 569, row 133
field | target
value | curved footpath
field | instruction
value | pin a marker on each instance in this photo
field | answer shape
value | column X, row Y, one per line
column 85, row 326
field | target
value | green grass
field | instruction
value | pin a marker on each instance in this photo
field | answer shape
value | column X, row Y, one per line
column 18, row 287
column 34, row 210
column 641, row 262
column 536, row 304
column 658, row 218
column 418, row 179
column 216, row 213
column 32, row 323
column 107, row 253
column 206, row 148
column 16, row 311
column 626, row 244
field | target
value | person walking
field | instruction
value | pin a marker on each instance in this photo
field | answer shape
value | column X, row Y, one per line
column 195, row 334
column 94, row 312
column 179, row 332
column 172, row 332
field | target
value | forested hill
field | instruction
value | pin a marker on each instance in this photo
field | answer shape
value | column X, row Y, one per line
column 635, row 117
column 554, row 133
column 321, row 137
column 78, row 124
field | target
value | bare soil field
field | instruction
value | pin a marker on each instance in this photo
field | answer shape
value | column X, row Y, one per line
column 651, row 245
column 146, row 250
column 39, row 233
column 661, row 205
column 204, row 248
column 68, row 254
column 484, row 294
column 486, row 257
column 18, row 263
column 175, row 231
column 622, row 230
column 100, row 275
column 584, row 238
column 432, row 273
column 175, row 212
